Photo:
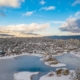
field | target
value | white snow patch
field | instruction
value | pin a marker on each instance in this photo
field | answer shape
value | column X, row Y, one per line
column 55, row 65
column 55, row 77
column 77, row 54
column 24, row 75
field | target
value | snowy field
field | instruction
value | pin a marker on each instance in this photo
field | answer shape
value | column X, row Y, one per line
column 28, row 75
column 55, row 77
column 24, row 75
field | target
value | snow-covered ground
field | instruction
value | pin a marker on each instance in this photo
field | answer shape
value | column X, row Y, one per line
column 24, row 75
column 13, row 56
column 40, row 55
column 75, row 53
column 28, row 75
column 55, row 77
column 52, row 62
column 55, row 65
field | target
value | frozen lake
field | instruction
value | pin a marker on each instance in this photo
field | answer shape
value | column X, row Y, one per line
column 33, row 64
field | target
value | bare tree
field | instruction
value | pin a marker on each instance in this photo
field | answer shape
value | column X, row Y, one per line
column 77, row 74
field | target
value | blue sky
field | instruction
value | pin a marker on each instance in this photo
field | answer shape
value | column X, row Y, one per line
column 45, row 17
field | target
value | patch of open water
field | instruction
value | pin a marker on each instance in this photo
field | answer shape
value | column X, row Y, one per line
column 33, row 64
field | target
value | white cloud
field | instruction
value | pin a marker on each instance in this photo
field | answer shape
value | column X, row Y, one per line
column 76, row 2
column 42, row 2
column 71, row 25
column 48, row 8
column 33, row 27
column 11, row 3
column 77, row 14
column 28, row 13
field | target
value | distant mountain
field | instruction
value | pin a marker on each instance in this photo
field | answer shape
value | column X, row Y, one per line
column 19, row 35
column 6, row 35
column 64, row 37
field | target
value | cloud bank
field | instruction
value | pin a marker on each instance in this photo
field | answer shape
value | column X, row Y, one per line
column 11, row 3
column 71, row 25
column 23, row 28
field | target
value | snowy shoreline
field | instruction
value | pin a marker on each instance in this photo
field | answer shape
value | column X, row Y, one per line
column 38, row 55
column 55, row 77
column 49, row 76
column 55, row 65
column 41, row 55
column 75, row 54
column 24, row 75
column 23, row 54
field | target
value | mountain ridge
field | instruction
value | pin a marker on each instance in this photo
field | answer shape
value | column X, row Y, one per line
column 64, row 37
